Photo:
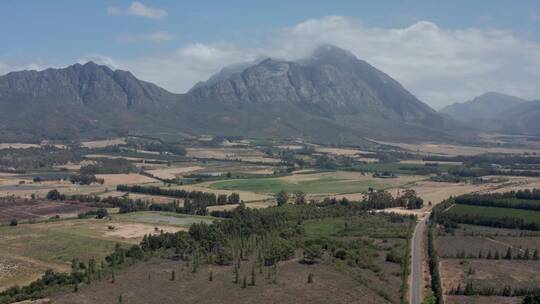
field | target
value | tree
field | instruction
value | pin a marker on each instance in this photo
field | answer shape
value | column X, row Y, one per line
column 282, row 198
column 173, row 275
column 531, row 299
column 101, row 213
column 310, row 278
column 252, row 283
column 55, row 195
column 312, row 253
column 234, row 198
column 508, row 255
column 13, row 222
column 299, row 198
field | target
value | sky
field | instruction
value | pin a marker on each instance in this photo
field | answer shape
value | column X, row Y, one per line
column 441, row 51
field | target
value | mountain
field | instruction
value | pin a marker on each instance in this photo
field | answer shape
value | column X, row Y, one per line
column 329, row 97
column 496, row 112
column 80, row 100
column 487, row 105
column 332, row 87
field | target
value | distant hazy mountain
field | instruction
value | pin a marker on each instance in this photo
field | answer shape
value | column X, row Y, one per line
column 495, row 112
column 331, row 96
column 488, row 105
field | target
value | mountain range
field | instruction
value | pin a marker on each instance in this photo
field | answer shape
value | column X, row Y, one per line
column 497, row 112
column 332, row 96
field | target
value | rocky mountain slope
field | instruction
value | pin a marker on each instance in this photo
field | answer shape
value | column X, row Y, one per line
column 330, row 96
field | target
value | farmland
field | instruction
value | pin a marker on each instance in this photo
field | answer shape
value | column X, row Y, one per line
column 479, row 262
column 494, row 212
column 317, row 183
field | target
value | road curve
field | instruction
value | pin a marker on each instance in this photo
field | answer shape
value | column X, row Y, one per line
column 416, row 262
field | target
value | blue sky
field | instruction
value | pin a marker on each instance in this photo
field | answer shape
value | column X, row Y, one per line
column 147, row 37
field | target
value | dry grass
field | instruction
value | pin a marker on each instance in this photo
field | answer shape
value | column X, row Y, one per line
column 453, row 150
column 136, row 231
column 17, row 146
column 254, row 205
column 157, row 199
column 103, row 143
column 242, row 154
column 246, row 196
column 341, row 151
column 171, row 173
column 131, row 178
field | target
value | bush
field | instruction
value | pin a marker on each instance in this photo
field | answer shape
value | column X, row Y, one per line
column 13, row 222
column 340, row 253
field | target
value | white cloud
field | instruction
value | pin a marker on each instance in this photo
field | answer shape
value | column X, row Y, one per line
column 138, row 9
column 148, row 37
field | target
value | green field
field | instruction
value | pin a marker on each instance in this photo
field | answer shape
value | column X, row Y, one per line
column 56, row 244
column 399, row 168
column 318, row 186
column 374, row 226
column 163, row 218
column 496, row 212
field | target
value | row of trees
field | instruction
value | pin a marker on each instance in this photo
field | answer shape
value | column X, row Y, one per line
column 209, row 198
column 520, row 255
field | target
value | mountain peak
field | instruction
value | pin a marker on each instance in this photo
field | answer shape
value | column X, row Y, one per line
column 330, row 50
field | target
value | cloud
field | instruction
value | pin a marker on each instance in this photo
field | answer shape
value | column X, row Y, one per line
column 156, row 37
column 139, row 10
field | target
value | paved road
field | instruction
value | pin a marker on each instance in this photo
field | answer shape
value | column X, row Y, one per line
column 417, row 281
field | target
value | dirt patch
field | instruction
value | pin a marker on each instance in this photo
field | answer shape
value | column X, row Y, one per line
column 24, row 210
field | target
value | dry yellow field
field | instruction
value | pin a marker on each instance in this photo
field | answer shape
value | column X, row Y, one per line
column 242, row 154
column 157, row 199
column 254, row 205
column 131, row 178
column 17, row 146
column 246, row 196
column 103, row 143
column 453, row 150
column 171, row 173
column 422, row 162
column 341, row 151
